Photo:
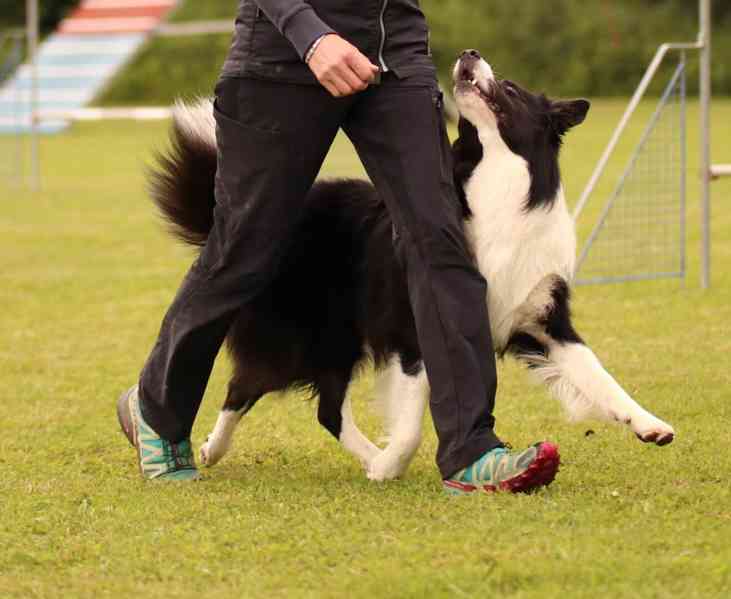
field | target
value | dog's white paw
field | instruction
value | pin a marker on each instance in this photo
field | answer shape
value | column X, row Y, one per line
column 387, row 465
column 212, row 451
column 652, row 430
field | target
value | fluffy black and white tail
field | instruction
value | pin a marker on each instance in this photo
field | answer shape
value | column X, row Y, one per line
column 182, row 181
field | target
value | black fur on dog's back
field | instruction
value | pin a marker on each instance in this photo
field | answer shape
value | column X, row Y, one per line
column 338, row 297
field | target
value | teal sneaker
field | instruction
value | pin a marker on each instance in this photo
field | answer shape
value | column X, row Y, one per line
column 501, row 469
column 158, row 459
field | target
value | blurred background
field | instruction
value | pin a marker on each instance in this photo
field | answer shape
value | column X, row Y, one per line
column 87, row 272
column 570, row 47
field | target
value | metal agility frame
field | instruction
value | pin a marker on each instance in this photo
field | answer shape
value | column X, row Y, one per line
column 709, row 171
column 640, row 233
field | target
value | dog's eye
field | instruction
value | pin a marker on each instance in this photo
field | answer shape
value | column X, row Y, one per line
column 510, row 90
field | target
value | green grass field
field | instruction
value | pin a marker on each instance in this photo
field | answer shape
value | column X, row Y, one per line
column 87, row 273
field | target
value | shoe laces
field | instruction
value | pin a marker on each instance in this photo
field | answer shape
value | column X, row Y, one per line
column 178, row 455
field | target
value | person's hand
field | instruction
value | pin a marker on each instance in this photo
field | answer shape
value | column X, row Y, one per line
column 340, row 67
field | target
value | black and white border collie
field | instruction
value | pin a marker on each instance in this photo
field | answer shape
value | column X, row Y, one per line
column 340, row 299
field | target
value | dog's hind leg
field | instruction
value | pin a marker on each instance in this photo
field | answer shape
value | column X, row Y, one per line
column 404, row 396
column 238, row 402
column 334, row 412
column 546, row 340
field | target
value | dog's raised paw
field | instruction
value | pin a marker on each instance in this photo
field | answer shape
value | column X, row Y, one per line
column 656, row 437
column 659, row 434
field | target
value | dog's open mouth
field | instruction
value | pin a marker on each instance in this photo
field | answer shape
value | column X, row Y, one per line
column 468, row 82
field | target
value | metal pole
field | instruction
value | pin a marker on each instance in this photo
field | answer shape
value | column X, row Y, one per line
column 683, row 175
column 19, row 41
column 720, row 170
column 704, row 37
column 31, row 15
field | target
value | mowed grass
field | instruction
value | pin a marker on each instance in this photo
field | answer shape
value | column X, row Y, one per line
column 87, row 273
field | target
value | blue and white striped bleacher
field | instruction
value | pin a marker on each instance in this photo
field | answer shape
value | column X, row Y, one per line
column 75, row 63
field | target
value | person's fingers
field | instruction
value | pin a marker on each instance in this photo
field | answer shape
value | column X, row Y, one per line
column 349, row 76
column 328, row 78
column 340, row 67
column 364, row 68
column 330, row 88
column 342, row 86
column 336, row 85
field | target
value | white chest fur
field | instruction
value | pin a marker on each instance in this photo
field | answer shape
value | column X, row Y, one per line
column 515, row 248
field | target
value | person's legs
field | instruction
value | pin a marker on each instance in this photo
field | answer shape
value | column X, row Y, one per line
column 272, row 139
column 399, row 133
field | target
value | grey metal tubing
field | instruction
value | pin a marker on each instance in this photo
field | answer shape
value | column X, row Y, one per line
column 194, row 28
column 704, row 39
column 32, row 25
column 683, row 172
column 629, row 278
column 720, row 170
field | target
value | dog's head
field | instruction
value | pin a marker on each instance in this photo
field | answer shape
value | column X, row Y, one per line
column 531, row 126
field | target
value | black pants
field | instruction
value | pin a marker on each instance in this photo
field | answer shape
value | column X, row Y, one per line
column 272, row 141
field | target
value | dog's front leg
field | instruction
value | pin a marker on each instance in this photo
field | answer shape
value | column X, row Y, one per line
column 545, row 339
column 583, row 383
column 404, row 399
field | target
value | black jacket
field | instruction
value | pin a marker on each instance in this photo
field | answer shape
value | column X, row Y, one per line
column 273, row 36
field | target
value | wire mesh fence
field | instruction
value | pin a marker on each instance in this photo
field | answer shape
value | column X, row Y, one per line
column 640, row 233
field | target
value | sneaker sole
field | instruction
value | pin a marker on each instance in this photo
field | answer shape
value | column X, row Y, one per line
column 127, row 422
column 539, row 474
column 124, row 415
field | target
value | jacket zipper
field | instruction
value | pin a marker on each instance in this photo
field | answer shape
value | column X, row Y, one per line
column 383, row 65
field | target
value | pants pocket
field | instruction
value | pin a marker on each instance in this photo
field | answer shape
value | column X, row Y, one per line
column 246, row 161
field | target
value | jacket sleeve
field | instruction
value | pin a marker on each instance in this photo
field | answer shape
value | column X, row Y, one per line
column 296, row 20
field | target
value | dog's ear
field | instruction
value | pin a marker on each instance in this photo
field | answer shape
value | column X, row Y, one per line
column 567, row 114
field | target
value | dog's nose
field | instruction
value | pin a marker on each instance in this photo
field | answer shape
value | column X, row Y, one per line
column 470, row 53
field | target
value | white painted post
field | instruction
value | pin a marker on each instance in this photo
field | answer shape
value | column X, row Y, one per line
column 32, row 19
column 704, row 38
